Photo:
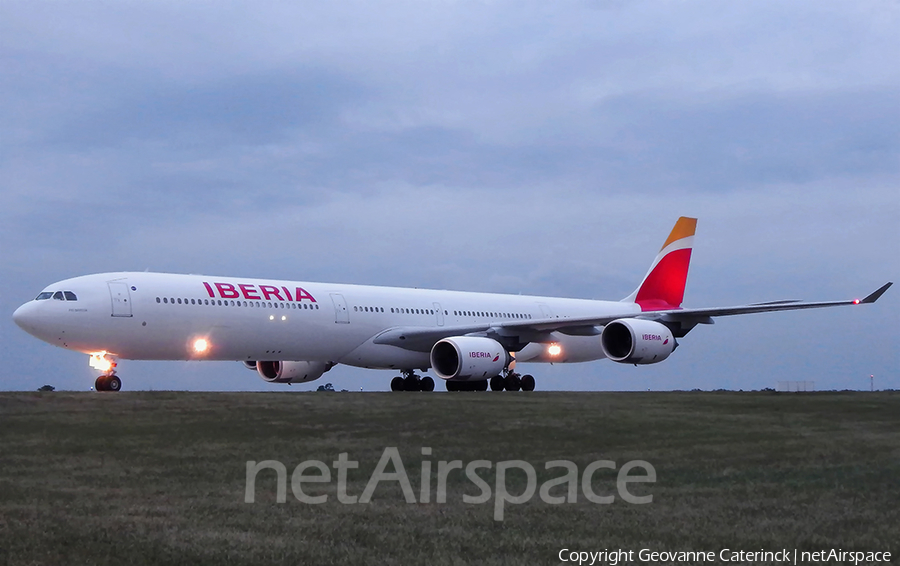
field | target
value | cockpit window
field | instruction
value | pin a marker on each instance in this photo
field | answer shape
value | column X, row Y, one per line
column 58, row 295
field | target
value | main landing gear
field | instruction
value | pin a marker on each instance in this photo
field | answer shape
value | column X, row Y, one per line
column 480, row 385
column 409, row 381
column 509, row 380
column 512, row 381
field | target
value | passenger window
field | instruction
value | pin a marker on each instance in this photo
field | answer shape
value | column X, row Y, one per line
column 70, row 296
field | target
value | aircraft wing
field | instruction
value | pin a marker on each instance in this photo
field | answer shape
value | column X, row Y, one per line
column 685, row 314
column 421, row 339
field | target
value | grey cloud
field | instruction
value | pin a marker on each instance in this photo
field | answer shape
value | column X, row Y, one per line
column 764, row 138
column 247, row 110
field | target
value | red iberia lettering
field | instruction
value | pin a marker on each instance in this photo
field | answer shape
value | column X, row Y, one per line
column 248, row 291
column 227, row 291
column 270, row 291
column 301, row 294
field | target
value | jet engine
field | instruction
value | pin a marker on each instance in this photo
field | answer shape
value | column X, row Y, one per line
column 635, row 341
column 290, row 372
column 468, row 358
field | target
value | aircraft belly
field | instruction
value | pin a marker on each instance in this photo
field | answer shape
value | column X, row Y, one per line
column 229, row 338
column 573, row 349
column 380, row 356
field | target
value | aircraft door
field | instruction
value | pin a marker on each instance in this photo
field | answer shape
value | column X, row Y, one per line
column 341, row 314
column 120, row 297
column 440, row 314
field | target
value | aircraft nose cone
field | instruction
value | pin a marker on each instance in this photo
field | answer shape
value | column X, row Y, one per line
column 24, row 317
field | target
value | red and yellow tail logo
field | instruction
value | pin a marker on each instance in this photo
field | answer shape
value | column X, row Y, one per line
column 663, row 286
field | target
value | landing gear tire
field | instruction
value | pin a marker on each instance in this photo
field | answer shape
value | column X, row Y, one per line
column 497, row 383
column 426, row 384
column 512, row 382
column 481, row 385
column 397, row 384
column 411, row 383
column 459, row 386
column 108, row 383
column 527, row 383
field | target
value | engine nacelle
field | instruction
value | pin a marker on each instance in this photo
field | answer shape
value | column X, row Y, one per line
column 291, row 372
column 635, row 341
column 468, row 358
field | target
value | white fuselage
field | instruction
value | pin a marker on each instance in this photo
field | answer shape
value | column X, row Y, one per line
column 156, row 316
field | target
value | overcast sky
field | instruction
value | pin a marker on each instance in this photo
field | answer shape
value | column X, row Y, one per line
column 522, row 147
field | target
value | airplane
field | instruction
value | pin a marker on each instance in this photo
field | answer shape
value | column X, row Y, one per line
column 294, row 332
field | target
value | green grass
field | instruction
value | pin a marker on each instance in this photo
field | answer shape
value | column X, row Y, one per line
column 158, row 477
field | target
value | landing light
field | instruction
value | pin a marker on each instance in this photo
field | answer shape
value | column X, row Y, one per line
column 100, row 362
column 201, row 346
column 554, row 350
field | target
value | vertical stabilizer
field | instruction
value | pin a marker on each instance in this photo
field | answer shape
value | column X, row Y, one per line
column 663, row 286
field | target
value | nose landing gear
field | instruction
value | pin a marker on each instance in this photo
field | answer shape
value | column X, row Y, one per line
column 108, row 383
column 108, row 380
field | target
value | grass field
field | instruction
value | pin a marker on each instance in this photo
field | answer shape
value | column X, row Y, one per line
column 159, row 477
